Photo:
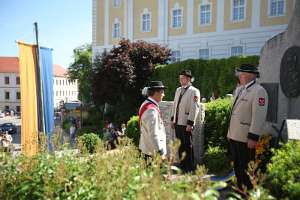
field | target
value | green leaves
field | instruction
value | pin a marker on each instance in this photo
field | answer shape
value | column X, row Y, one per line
column 283, row 171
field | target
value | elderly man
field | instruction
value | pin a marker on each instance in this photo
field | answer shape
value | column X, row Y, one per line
column 184, row 112
column 153, row 135
column 247, row 118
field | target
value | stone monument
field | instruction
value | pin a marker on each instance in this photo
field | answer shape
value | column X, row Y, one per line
column 280, row 74
column 198, row 132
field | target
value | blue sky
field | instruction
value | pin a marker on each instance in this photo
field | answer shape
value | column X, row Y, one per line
column 63, row 26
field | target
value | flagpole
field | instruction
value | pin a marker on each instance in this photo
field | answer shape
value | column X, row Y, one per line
column 39, row 81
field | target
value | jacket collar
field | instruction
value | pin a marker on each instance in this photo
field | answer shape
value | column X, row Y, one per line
column 152, row 101
column 248, row 85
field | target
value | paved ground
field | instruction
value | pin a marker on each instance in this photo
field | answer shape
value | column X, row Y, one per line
column 16, row 137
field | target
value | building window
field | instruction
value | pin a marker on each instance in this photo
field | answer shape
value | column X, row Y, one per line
column 116, row 3
column 277, row 8
column 175, row 56
column 146, row 21
column 205, row 14
column 204, row 54
column 237, row 51
column 56, row 93
column 238, row 10
column 18, row 109
column 116, row 30
column 177, row 18
column 6, row 95
column 18, row 95
column 18, row 80
column 6, row 80
column 6, row 107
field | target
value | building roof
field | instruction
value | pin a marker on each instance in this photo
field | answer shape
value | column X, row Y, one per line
column 59, row 71
column 9, row 65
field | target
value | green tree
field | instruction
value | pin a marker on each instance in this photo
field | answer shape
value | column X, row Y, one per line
column 82, row 70
column 121, row 74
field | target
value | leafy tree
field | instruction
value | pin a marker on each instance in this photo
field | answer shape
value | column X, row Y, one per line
column 123, row 72
column 82, row 70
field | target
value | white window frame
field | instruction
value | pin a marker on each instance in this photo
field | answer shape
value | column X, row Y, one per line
column 205, row 3
column 146, row 12
column 208, row 53
column 232, row 12
column 114, row 36
column 177, row 7
column 238, row 46
column 176, row 56
column 116, row 3
column 270, row 9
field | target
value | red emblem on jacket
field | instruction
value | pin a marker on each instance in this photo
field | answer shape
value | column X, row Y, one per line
column 261, row 101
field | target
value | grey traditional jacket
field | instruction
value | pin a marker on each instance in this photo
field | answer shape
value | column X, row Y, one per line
column 153, row 135
column 248, row 113
column 185, row 112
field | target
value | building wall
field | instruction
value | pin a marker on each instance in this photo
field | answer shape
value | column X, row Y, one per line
column 12, row 88
column 64, row 90
column 138, row 8
column 219, row 36
column 196, row 23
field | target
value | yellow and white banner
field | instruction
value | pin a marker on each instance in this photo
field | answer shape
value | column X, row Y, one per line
column 29, row 130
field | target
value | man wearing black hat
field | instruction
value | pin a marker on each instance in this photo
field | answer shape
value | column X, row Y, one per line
column 153, row 135
column 184, row 112
column 247, row 118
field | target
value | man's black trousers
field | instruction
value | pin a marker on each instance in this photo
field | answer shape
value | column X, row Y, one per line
column 241, row 156
column 186, row 145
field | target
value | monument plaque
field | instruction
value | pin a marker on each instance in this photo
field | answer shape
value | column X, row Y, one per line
column 293, row 129
column 290, row 72
column 272, row 90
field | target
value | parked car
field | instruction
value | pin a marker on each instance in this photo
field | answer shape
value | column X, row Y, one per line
column 10, row 127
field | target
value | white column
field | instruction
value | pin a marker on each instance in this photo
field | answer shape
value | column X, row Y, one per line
column 106, row 23
column 130, row 19
column 256, row 13
column 166, row 21
column 161, row 21
column 190, row 16
column 220, row 15
column 94, row 21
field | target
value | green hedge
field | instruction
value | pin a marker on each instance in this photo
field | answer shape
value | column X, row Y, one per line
column 217, row 122
column 209, row 74
column 283, row 173
column 132, row 130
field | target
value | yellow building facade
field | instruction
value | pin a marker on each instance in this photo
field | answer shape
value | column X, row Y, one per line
column 191, row 28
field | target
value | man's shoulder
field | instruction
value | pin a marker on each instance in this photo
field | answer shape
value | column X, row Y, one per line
column 192, row 88
column 259, row 88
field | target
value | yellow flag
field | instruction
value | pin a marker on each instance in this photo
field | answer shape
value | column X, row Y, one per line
column 29, row 124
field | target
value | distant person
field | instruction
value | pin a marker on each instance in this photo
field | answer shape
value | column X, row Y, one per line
column 153, row 135
column 247, row 117
column 184, row 113
column 6, row 140
column 73, row 133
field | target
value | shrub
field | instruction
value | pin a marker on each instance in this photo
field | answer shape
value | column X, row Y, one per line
column 88, row 129
column 283, row 173
column 216, row 122
column 113, row 175
column 209, row 74
column 133, row 130
column 89, row 142
column 216, row 160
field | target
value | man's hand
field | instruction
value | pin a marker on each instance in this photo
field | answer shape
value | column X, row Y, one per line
column 189, row 128
column 172, row 125
column 251, row 144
